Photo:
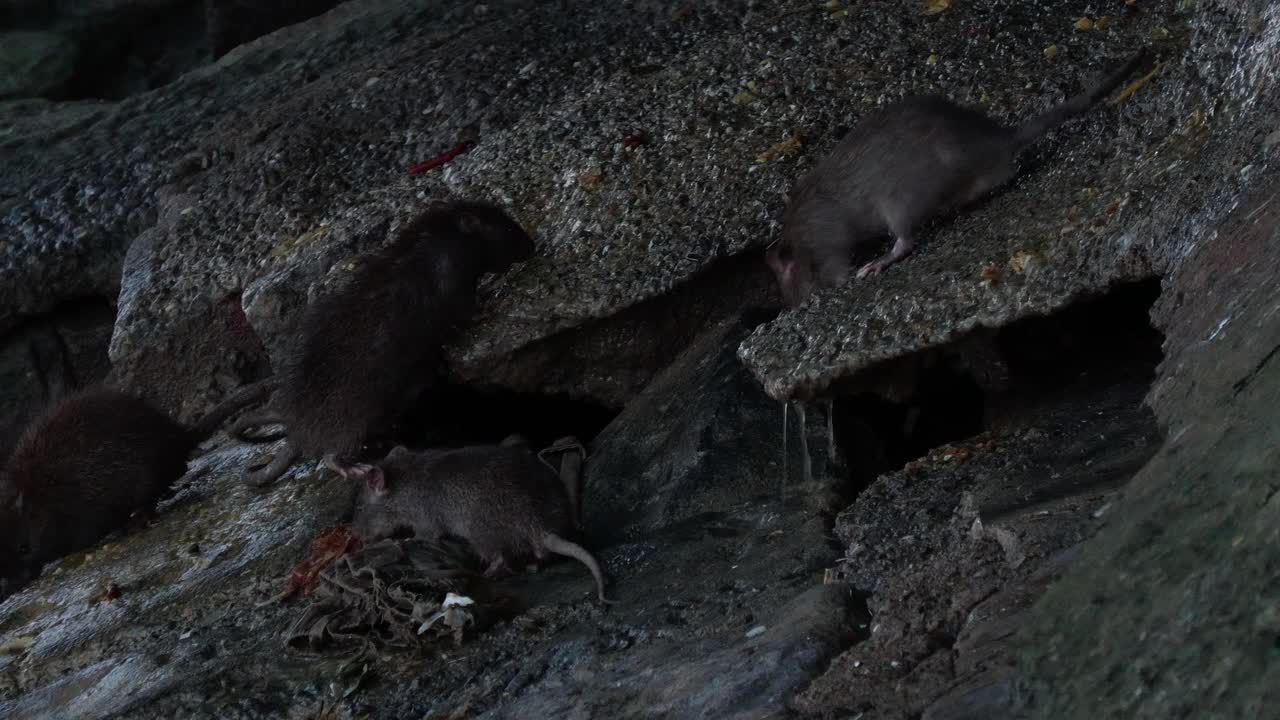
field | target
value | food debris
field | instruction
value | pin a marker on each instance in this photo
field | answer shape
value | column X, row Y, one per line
column 1103, row 22
column 932, row 59
column 1022, row 260
column 784, row 149
column 1084, row 23
column 591, row 178
column 991, row 274
column 980, row 445
column 756, row 631
column 16, row 645
column 635, row 139
column 744, row 98
column 110, row 592
column 1136, row 85
column 1051, row 52
column 441, row 159
column 1119, row 204
column 325, row 551
column 454, row 617
column 933, row 7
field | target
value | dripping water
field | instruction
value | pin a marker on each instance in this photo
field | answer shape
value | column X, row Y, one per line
column 806, row 464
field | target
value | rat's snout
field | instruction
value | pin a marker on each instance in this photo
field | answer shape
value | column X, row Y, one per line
column 795, row 292
column 791, row 268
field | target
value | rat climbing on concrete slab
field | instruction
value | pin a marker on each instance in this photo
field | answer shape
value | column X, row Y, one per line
column 902, row 165
column 84, row 466
column 364, row 352
column 502, row 499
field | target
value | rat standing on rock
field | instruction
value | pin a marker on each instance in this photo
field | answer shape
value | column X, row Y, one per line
column 81, row 469
column 901, row 166
column 500, row 498
column 366, row 350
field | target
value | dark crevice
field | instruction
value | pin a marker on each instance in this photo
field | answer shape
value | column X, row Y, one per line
column 898, row 411
column 612, row 359
column 455, row 415
column 1243, row 382
column 45, row 357
column 120, row 50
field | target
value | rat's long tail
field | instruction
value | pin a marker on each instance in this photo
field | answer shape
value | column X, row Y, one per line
column 240, row 428
column 1031, row 130
column 242, row 398
column 560, row 546
column 263, row 476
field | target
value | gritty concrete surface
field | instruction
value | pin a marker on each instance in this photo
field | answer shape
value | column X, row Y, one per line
column 629, row 145
column 626, row 137
column 1123, row 195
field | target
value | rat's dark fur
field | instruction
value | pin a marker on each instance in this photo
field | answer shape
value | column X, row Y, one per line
column 82, row 468
column 365, row 352
column 902, row 165
column 504, row 501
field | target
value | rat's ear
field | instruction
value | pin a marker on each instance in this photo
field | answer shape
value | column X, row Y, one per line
column 370, row 475
column 468, row 223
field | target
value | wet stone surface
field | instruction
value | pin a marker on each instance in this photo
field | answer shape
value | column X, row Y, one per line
column 1009, row 573
column 724, row 615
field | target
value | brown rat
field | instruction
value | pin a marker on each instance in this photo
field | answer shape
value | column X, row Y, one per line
column 366, row 351
column 902, row 165
column 500, row 498
column 84, row 466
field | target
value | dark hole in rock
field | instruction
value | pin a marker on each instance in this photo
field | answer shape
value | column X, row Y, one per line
column 48, row 356
column 455, row 415
column 1096, row 341
column 876, row 435
column 901, row 410
column 113, row 50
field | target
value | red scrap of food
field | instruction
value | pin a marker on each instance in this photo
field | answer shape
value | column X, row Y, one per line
column 110, row 592
column 325, row 551
column 440, row 159
column 633, row 140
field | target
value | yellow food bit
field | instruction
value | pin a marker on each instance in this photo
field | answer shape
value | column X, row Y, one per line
column 933, row 7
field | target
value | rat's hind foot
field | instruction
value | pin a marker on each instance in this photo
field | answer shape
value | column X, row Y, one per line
column 497, row 567
column 901, row 249
column 873, row 268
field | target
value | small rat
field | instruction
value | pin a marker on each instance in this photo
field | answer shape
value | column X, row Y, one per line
column 500, row 498
column 84, row 466
column 902, row 165
column 366, row 351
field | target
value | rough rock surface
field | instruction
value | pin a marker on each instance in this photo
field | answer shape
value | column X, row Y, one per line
column 953, row 550
column 719, row 614
column 626, row 136
column 630, row 146
column 33, row 64
column 235, row 22
column 1172, row 609
column 701, row 436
